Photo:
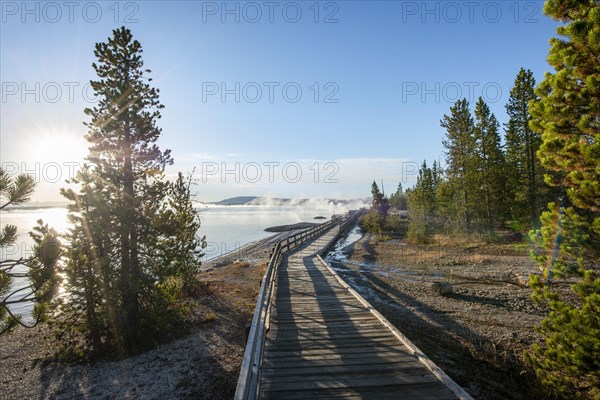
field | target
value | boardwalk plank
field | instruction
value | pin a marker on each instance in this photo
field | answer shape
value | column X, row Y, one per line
column 340, row 382
column 382, row 351
column 325, row 343
column 413, row 392
column 335, row 360
column 367, row 366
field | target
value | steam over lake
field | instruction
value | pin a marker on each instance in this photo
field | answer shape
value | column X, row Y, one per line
column 226, row 228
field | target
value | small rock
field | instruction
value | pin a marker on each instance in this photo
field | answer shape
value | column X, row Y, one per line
column 441, row 288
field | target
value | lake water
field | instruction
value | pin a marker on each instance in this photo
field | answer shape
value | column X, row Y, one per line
column 227, row 228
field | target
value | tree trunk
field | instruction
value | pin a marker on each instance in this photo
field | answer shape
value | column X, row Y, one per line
column 532, row 184
column 129, row 250
column 90, row 309
column 129, row 235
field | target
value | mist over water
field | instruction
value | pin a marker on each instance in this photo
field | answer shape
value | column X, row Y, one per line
column 227, row 228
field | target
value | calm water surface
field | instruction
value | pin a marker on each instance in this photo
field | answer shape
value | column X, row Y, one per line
column 227, row 228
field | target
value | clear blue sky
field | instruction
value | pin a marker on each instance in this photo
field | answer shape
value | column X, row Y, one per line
column 386, row 73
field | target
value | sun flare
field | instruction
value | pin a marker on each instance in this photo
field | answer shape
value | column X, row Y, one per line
column 61, row 147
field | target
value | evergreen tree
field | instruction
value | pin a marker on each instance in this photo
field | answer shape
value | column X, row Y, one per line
column 423, row 205
column 461, row 159
column 133, row 231
column 123, row 135
column 491, row 164
column 180, row 247
column 436, row 174
column 399, row 199
column 567, row 115
column 376, row 195
column 379, row 201
column 39, row 269
column 375, row 220
column 91, row 277
column 525, row 173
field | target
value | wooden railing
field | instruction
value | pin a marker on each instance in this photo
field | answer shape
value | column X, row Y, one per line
column 247, row 385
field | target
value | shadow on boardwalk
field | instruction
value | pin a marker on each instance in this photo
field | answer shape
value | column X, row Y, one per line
column 325, row 343
column 472, row 359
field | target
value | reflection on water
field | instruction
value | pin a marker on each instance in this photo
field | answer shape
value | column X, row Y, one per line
column 226, row 228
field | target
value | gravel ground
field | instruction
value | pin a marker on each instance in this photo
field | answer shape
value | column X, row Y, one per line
column 202, row 365
column 477, row 333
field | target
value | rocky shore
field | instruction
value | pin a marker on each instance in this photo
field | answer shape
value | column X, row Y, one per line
column 293, row 227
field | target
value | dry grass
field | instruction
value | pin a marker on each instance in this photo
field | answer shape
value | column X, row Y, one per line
column 211, row 316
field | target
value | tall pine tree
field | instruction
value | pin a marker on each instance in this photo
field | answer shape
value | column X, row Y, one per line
column 399, row 200
column 133, row 232
column 379, row 202
column 422, row 204
column 491, row 165
column 461, row 159
column 568, row 117
column 525, row 176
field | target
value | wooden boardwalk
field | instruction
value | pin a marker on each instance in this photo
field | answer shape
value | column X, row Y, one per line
column 324, row 341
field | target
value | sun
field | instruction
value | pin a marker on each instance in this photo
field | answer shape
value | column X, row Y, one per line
column 51, row 154
column 61, row 147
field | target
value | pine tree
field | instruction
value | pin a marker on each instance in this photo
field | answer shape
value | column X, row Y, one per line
column 123, row 135
column 376, row 196
column 491, row 164
column 525, row 173
column 91, row 277
column 379, row 201
column 40, row 268
column 399, row 199
column 436, row 174
column 374, row 221
column 132, row 245
column 180, row 247
column 461, row 159
column 567, row 116
column 423, row 205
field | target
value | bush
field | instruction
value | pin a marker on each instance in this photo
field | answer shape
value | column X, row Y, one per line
column 371, row 222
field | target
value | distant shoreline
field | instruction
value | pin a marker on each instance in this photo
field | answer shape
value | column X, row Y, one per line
column 33, row 207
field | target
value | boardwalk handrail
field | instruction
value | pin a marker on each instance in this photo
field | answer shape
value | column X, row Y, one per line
column 250, row 375
column 456, row 389
column 247, row 385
